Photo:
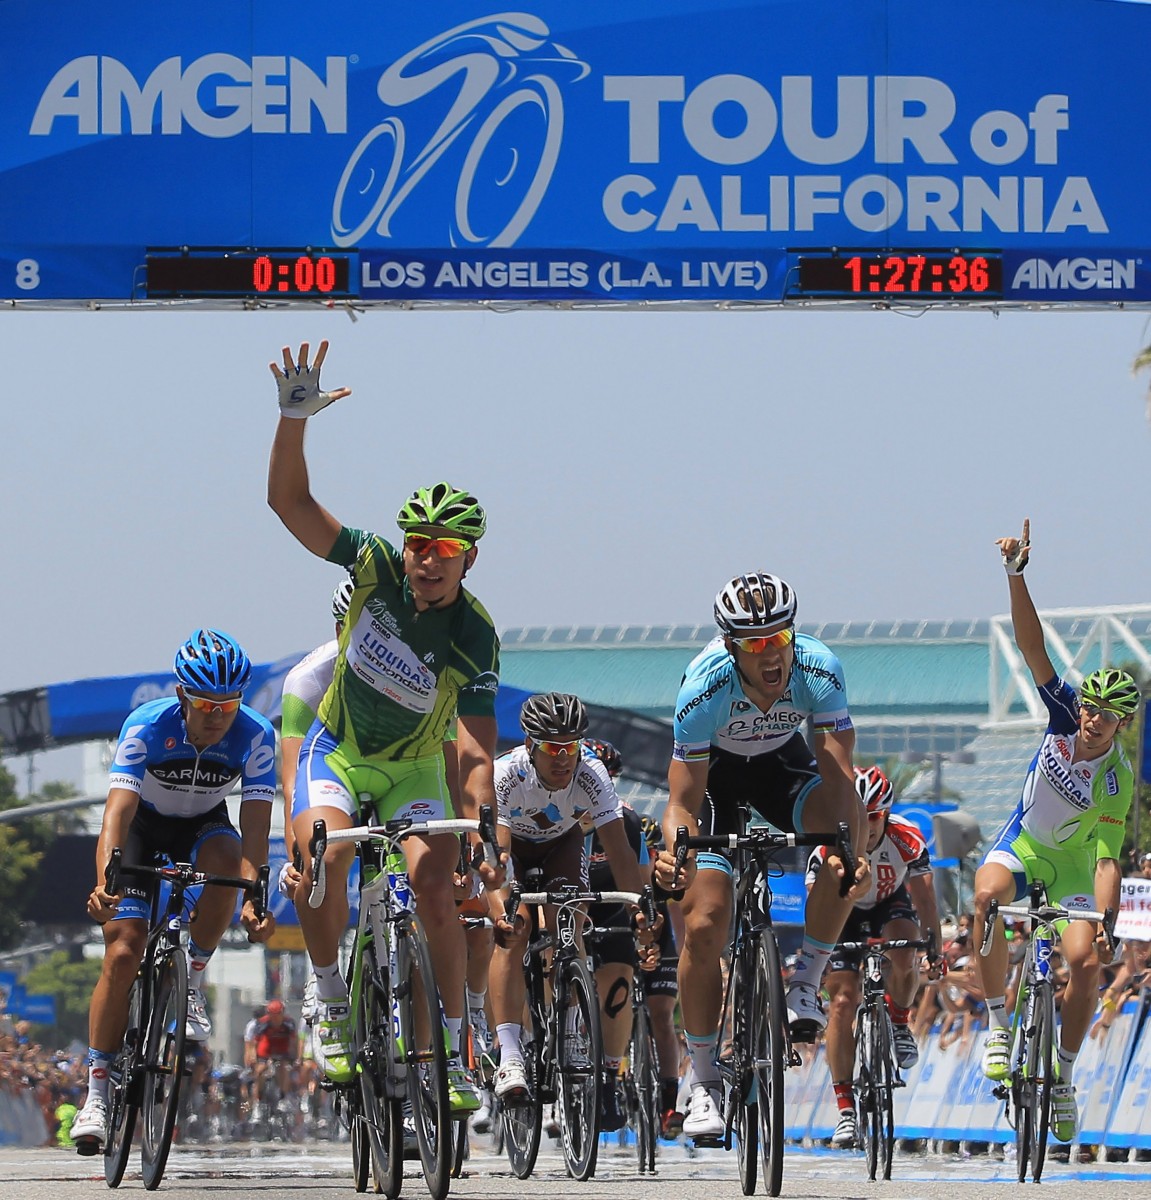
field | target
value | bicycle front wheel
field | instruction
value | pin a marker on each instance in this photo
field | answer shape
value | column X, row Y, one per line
column 745, row 1118
column 377, row 1113
column 423, row 1049
column 578, row 1062
column 643, row 1090
column 123, row 1091
column 163, row 1064
column 874, row 1090
column 521, row 1118
column 1037, row 1081
column 769, row 1046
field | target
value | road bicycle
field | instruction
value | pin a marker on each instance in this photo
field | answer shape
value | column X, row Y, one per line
column 876, row 1069
column 640, row 1075
column 563, row 1041
column 144, row 1078
column 1027, row 1091
column 399, row 1039
column 754, row 1021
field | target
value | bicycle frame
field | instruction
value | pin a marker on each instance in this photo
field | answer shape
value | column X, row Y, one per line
column 149, row 1067
column 389, row 975
column 756, row 1025
column 1027, row 1093
column 877, row 1071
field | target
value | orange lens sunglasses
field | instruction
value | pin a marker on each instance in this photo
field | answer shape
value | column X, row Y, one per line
column 442, row 547
column 213, row 704
column 757, row 645
column 555, row 749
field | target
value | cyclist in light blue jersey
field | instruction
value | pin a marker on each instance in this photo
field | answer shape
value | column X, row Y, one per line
column 177, row 760
column 1067, row 831
column 738, row 742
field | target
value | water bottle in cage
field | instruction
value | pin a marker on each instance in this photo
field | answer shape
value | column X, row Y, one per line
column 398, row 883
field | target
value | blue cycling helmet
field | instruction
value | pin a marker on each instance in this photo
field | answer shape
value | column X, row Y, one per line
column 211, row 661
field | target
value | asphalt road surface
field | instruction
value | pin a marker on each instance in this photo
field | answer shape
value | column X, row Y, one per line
column 274, row 1172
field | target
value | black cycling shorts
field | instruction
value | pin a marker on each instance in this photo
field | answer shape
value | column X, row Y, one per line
column 870, row 922
column 771, row 785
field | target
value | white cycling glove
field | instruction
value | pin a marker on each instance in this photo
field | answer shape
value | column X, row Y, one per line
column 300, row 394
column 282, row 882
column 1014, row 565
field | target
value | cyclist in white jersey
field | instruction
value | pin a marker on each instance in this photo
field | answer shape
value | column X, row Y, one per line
column 1067, row 831
column 304, row 688
column 742, row 704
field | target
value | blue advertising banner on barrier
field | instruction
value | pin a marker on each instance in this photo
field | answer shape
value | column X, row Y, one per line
column 663, row 150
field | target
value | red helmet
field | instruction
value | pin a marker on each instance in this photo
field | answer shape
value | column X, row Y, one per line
column 275, row 1006
column 874, row 789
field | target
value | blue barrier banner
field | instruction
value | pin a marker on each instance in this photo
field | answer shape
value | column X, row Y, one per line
column 39, row 1008
column 788, row 898
column 659, row 150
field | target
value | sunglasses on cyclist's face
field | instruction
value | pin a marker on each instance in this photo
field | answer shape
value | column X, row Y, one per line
column 213, row 704
column 442, row 547
column 555, row 749
column 757, row 645
column 1093, row 710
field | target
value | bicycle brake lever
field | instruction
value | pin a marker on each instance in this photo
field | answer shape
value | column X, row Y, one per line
column 488, row 839
column 316, row 848
column 847, row 856
column 259, row 893
column 112, row 873
column 988, row 928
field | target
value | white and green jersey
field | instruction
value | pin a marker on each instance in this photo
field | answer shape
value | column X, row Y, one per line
column 1074, row 805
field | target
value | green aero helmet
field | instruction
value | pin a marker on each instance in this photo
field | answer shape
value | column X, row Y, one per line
column 445, row 507
column 1111, row 689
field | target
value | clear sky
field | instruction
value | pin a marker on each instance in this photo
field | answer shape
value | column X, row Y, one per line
column 630, row 463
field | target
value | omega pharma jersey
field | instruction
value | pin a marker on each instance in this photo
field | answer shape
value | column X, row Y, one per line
column 402, row 675
column 902, row 851
column 713, row 709
column 155, row 760
column 1074, row 804
column 535, row 814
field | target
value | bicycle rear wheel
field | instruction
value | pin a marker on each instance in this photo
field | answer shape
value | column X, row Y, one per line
column 377, row 1113
column 644, row 1087
column 124, row 1091
column 163, row 1064
column 424, row 1050
column 769, row 1047
column 578, row 1059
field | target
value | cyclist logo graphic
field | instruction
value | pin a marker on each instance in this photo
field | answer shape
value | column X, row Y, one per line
column 507, row 106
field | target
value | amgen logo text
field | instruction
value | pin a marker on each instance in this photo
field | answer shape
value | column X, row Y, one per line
column 1075, row 274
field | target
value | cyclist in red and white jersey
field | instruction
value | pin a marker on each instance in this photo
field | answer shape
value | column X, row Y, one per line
column 898, row 904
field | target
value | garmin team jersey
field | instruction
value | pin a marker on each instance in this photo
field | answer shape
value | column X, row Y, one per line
column 713, row 709
column 402, row 675
column 535, row 814
column 901, row 852
column 1074, row 804
column 304, row 688
column 155, row 760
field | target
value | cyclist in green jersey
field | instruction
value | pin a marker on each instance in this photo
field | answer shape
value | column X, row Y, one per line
column 1066, row 831
column 416, row 649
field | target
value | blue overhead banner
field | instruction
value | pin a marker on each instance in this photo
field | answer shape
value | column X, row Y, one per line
column 653, row 151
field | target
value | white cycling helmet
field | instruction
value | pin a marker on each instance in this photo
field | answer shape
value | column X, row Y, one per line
column 753, row 604
column 341, row 599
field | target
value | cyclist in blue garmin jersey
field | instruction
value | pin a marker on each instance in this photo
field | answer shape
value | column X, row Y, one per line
column 1066, row 831
column 741, row 706
column 177, row 759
